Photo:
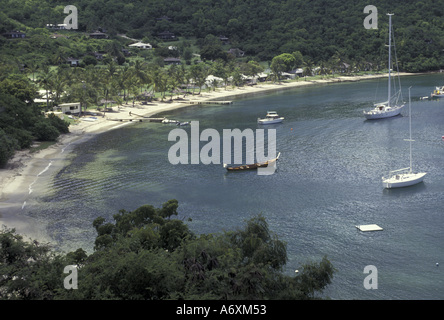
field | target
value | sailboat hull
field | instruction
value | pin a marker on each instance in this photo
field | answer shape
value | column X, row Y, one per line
column 403, row 180
column 383, row 113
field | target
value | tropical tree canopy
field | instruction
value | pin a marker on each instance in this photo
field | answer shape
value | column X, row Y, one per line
column 147, row 254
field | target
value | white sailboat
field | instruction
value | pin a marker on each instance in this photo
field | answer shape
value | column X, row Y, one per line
column 404, row 177
column 386, row 109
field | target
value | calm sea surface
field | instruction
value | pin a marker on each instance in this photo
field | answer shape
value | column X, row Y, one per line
column 328, row 181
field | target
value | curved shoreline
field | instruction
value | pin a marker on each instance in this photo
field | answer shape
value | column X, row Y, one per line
column 25, row 168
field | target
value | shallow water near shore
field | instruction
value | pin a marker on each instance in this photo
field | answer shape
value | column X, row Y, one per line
column 328, row 181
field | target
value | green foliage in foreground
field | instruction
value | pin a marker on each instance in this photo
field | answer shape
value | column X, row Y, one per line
column 147, row 255
column 21, row 121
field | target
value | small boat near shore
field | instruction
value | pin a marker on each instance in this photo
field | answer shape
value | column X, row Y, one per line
column 253, row 166
column 169, row 121
column 270, row 118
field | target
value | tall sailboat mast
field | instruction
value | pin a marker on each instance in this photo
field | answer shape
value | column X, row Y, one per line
column 387, row 108
column 410, row 130
column 390, row 59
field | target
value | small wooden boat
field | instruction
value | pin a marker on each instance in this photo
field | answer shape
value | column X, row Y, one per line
column 253, row 166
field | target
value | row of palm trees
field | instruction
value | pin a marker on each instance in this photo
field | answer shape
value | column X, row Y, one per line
column 337, row 65
column 97, row 85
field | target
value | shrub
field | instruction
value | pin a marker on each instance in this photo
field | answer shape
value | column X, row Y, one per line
column 59, row 124
column 44, row 131
column 7, row 146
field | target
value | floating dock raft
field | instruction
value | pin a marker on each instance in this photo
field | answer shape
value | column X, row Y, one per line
column 369, row 227
column 207, row 102
column 140, row 119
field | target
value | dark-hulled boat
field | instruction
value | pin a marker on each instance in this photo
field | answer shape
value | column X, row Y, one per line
column 253, row 166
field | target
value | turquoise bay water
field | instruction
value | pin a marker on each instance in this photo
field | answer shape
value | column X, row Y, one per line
column 328, row 181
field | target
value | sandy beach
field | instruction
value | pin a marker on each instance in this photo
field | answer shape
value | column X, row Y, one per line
column 21, row 174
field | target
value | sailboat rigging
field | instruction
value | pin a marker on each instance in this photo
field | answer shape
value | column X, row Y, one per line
column 386, row 109
column 404, row 177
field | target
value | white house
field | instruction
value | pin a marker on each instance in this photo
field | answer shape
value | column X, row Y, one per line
column 68, row 107
column 140, row 45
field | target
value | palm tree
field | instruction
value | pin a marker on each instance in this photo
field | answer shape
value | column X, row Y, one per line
column 45, row 81
column 308, row 67
column 108, row 85
column 133, row 83
column 214, row 84
column 337, row 61
column 140, row 71
column 121, row 79
column 184, row 74
column 323, row 69
column 226, row 76
column 199, row 74
column 60, row 56
column 237, row 77
column 159, row 81
column 60, row 80
column 32, row 67
column 75, row 75
column 175, row 77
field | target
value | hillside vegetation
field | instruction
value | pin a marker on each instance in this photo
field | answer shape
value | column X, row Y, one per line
column 318, row 29
column 147, row 254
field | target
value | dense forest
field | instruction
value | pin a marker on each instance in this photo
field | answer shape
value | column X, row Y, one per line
column 318, row 29
column 146, row 254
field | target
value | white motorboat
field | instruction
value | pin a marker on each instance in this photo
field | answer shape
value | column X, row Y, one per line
column 270, row 118
column 404, row 177
column 168, row 121
column 386, row 109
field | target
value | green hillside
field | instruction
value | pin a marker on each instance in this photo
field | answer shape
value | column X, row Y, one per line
column 319, row 29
